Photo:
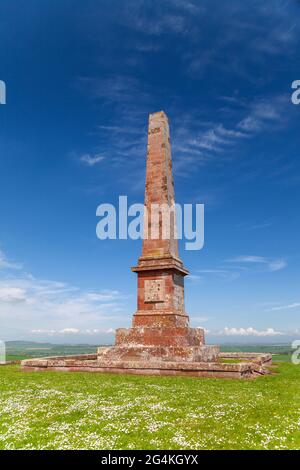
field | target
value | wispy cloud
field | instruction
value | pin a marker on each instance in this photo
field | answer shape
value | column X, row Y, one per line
column 174, row 17
column 30, row 304
column 277, row 265
column 254, row 226
column 199, row 319
column 119, row 129
column 248, row 259
column 216, row 139
column 198, row 143
column 91, row 160
column 264, row 32
column 73, row 332
column 263, row 114
column 295, row 305
column 8, row 264
column 229, row 274
column 116, row 89
column 12, row 294
column 171, row 23
column 188, row 5
column 272, row 264
column 126, row 92
column 194, row 278
column 235, row 267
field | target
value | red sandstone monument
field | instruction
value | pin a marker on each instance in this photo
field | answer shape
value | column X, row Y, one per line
column 160, row 328
column 161, row 341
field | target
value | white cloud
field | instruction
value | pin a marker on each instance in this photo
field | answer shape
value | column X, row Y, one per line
column 250, row 124
column 7, row 264
column 262, row 114
column 68, row 331
column 210, row 140
column 199, row 319
column 43, row 332
column 187, row 5
column 194, row 278
column 271, row 264
column 115, row 89
column 285, row 307
column 248, row 259
column 91, row 160
column 12, row 294
column 215, row 139
column 249, row 332
column 254, row 226
column 43, row 307
column 104, row 295
column 155, row 26
column 119, row 130
column 277, row 265
column 223, row 273
column 73, row 331
column 230, row 133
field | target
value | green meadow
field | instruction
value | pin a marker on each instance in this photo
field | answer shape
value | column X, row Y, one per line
column 60, row 410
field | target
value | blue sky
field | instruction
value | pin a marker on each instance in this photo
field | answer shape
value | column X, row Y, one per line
column 81, row 79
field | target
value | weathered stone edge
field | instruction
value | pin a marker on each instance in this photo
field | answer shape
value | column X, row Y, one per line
column 65, row 362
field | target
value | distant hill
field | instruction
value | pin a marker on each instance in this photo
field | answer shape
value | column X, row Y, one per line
column 28, row 349
column 261, row 348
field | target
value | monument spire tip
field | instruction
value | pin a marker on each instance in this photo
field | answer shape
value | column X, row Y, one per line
column 157, row 114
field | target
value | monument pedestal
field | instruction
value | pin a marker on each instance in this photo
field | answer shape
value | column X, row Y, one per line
column 160, row 327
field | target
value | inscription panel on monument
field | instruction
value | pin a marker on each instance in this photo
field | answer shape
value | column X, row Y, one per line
column 155, row 290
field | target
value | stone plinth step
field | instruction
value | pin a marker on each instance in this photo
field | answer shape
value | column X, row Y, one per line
column 245, row 370
column 160, row 336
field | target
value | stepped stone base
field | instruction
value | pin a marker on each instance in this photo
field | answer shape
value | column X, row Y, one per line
column 160, row 343
column 254, row 366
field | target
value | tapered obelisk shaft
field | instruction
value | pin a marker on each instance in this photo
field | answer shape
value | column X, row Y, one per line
column 160, row 244
column 159, row 191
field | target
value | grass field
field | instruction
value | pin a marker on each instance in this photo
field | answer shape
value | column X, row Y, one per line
column 58, row 410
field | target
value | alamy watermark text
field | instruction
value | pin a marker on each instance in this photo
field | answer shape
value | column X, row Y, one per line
column 2, row 92
column 296, row 94
column 296, row 353
column 2, row 352
column 157, row 222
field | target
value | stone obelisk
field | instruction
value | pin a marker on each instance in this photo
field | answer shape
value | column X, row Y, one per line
column 160, row 271
column 160, row 328
column 160, row 341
